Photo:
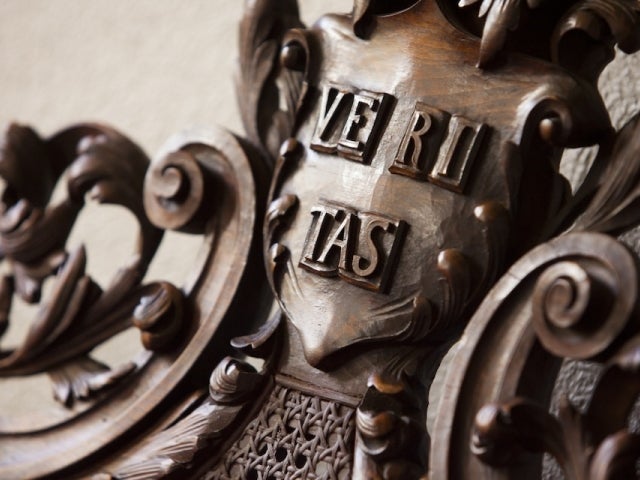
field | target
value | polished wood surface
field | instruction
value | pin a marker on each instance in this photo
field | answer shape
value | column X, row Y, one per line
column 397, row 198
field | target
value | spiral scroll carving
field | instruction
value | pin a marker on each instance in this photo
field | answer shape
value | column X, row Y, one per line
column 573, row 297
column 563, row 294
column 581, row 306
column 174, row 191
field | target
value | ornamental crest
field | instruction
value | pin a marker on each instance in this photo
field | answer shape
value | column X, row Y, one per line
column 410, row 176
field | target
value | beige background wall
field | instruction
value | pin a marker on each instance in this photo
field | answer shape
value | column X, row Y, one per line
column 149, row 68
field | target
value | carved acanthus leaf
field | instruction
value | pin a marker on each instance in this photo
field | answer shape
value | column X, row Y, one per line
column 28, row 278
column 456, row 273
column 496, row 229
column 599, row 19
column 604, row 21
column 58, row 314
column 78, row 314
column 84, row 377
column 28, row 234
column 261, row 31
column 619, row 385
column 614, row 206
column 502, row 16
column 231, row 386
column 111, row 168
column 503, row 431
column 171, row 449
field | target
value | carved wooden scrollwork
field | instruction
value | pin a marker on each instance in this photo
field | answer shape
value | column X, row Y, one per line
column 596, row 443
column 78, row 314
column 583, row 305
column 232, row 383
column 575, row 297
column 398, row 200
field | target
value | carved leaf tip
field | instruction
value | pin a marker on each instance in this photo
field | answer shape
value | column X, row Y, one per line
column 613, row 208
column 628, row 358
column 84, row 377
column 260, row 343
column 502, row 15
column 232, row 381
column 360, row 10
column 616, row 457
column 262, row 29
column 23, row 151
column 159, row 316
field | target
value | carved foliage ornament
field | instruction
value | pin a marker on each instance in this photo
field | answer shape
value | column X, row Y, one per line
column 79, row 314
column 402, row 157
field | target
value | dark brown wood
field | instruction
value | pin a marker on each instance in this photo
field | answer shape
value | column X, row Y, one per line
column 398, row 192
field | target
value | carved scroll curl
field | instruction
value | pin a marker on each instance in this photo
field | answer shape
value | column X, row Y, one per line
column 174, row 191
column 159, row 315
column 581, row 308
column 577, row 295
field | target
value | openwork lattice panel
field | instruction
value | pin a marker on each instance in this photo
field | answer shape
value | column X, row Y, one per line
column 295, row 436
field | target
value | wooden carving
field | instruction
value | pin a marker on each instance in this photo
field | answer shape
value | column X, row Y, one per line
column 79, row 314
column 397, row 199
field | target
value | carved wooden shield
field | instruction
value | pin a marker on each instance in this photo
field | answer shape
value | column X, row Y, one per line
column 409, row 171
